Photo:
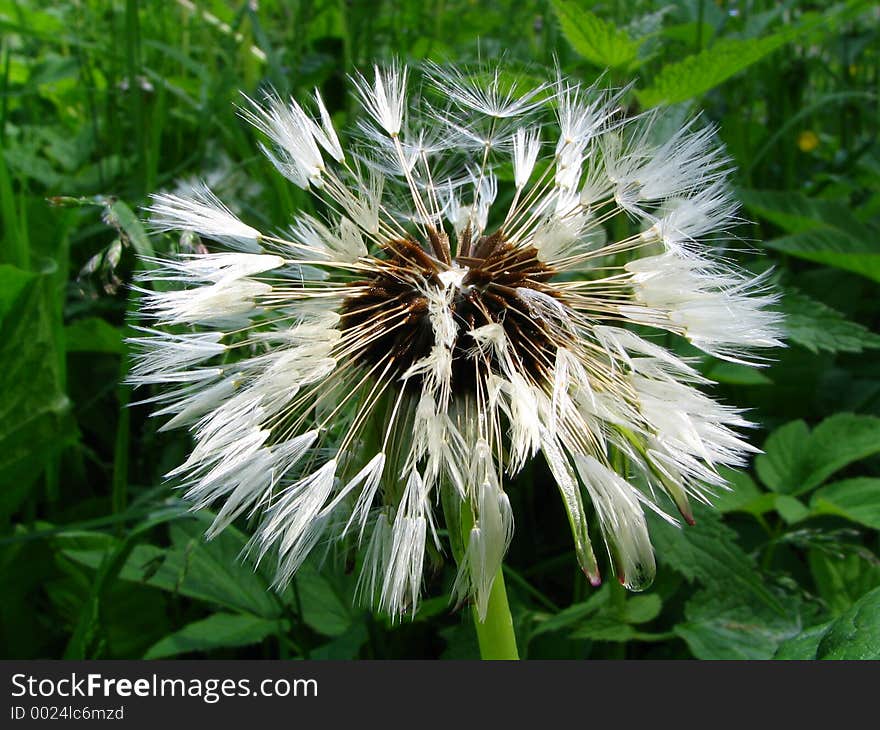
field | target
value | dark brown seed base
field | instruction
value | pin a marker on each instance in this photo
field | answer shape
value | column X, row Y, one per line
column 496, row 269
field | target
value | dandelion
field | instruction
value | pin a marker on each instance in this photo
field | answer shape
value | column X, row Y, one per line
column 384, row 366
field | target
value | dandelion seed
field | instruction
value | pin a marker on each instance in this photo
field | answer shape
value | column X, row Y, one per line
column 421, row 339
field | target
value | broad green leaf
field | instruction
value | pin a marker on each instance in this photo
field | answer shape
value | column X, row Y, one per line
column 824, row 231
column 855, row 499
column 93, row 334
column 34, row 409
column 743, row 491
column 609, row 628
column 796, row 460
column 598, row 41
column 833, row 247
column 215, row 632
column 571, row 616
column 815, row 326
column 700, row 72
column 791, row 509
column 708, row 553
column 461, row 641
column 325, row 607
column 598, row 620
column 804, row 645
column 129, row 618
column 721, row 626
column 210, row 571
column 641, row 609
column 842, row 579
column 734, row 374
column 735, row 615
column 796, row 212
column 344, row 646
column 780, row 461
column 856, row 634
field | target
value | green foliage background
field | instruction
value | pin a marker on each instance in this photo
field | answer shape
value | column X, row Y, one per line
column 103, row 101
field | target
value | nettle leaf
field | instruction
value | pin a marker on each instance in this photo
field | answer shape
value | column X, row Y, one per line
column 781, row 459
column 816, row 326
column 856, row 634
column 207, row 570
column 823, row 231
column 833, row 247
column 218, row 631
column 795, row 460
column 718, row 626
column 598, row 41
column 841, row 580
column 700, row 72
column 735, row 615
column 795, row 212
column 708, row 553
column 742, row 493
column 858, row 500
column 803, row 646
column 790, row 509
column 611, row 628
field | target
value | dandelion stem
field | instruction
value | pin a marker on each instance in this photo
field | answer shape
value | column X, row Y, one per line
column 495, row 635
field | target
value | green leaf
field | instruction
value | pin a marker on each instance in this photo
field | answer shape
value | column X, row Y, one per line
column 215, row 632
column 782, row 454
column 743, row 491
column 856, row 499
column 796, row 212
column 615, row 622
column 121, row 217
column 93, row 334
column 833, row 247
column 722, row 626
column 804, row 645
column 856, row 634
column 791, row 509
column 641, row 609
column 572, row 615
column 708, row 553
column 344, row 646
column 598, row 41
column 735, row 615
column 210, row 571
column 796, row 461
column 823, row 231
column 735, row 374
column 609, row 628
column 34, row 409
column 700, row 72
column 325, row 607
column 841, row 580
column 815, row 326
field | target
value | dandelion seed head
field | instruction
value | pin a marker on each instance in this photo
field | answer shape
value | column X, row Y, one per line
column 446, row 321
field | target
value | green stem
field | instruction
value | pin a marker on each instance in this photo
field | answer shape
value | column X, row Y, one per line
column 495, row 635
